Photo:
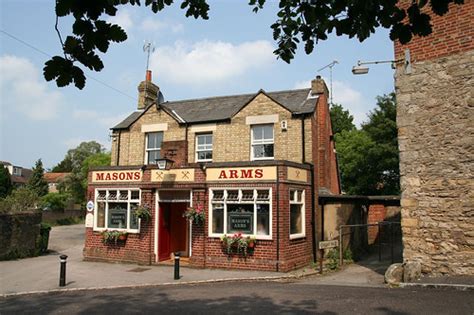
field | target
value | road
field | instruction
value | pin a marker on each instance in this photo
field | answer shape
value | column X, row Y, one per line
column 241, row 297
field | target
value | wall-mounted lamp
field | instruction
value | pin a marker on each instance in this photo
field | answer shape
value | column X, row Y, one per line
column 113, row 136
column 360, row 69
column 164, row 164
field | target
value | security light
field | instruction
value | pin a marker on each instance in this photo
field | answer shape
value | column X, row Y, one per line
column 164, row 164
column 360, row 70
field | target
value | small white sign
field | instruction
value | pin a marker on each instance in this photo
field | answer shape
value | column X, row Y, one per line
column 328, row 244
column 90, row 205
column 89, row 220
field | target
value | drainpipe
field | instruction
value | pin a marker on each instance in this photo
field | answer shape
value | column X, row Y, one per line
column 118, row 149
column 303, row 151
column 278, row 220
column 313, row 219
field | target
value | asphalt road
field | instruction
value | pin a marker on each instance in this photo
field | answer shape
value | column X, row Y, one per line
column 238, row 298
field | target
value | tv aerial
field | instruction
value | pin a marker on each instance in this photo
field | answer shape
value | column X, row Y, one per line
column 330, row 66
column 148, row 48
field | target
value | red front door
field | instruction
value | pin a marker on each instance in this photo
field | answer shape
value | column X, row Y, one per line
column 172, row 232
column 164, row 232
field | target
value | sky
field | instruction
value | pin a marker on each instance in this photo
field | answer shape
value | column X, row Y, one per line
column 231, row 53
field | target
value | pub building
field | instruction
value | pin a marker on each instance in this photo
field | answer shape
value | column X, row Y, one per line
column 253, row 164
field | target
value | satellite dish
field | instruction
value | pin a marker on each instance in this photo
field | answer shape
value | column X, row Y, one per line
column 160, row 99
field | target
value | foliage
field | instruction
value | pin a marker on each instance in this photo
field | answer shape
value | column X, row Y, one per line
column 20, row 200
column 297, row 21
column 238, row 244
column 143, row 212
column 369, row 158
column 333, row 259
column 43, row 239
column 5, row 182
column 113, row 236
column 37, row 182
column 196, row 215
column 55, row 201
column 341, row 119
column 85, row 155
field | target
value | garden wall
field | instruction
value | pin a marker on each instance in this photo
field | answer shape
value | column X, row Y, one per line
column 19, row 234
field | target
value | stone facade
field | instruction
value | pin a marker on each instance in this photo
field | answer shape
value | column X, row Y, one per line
column 435, row 118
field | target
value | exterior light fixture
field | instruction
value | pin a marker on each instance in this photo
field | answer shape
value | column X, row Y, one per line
column 360, row 69
column 164, row 164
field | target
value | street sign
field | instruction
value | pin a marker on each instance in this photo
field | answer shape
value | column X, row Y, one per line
column 90, row 205
column 328, row 244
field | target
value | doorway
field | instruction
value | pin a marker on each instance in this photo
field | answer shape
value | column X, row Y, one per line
column 172, row 230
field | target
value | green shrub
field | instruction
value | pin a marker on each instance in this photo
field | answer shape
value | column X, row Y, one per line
column 333, row 259
column 20, row 200
column 55, row 201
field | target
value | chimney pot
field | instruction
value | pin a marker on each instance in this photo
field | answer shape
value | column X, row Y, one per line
column 148, row 76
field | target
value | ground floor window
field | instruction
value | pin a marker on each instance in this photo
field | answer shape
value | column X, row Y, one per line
column 297, row 218
column 114, row 209
column 246, row 211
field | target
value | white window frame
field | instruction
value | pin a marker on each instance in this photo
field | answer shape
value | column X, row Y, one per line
column 261, row 142
column 224, row 202
column 294, row 200
column 204, row 147
column 147, row 149
column 107, row 201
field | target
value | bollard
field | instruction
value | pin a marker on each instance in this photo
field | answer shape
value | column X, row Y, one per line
column 176, row 266
column 62, row 272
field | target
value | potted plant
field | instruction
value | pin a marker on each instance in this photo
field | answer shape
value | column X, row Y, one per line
column 195, row 214
column 113, row 236
column 143, row 212
column 237, row 244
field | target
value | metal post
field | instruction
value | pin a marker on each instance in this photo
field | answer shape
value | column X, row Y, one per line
column 391, row 240
column 176, row 266
column 379, row 241
column 62, row 272
column 341, row 261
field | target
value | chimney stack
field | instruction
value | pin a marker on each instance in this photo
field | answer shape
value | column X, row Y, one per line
column 147, row 92
column 318, row 86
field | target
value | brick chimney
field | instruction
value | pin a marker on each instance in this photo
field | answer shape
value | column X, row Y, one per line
column 318, row 86
column 147, row 92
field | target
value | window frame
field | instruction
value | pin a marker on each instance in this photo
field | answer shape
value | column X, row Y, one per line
column 129, row 201
column 293, row 199
column 263, row 142
column 147, row 149
column 203, row 150
column 254, row 202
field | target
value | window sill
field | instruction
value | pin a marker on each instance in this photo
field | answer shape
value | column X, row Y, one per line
column 262, row 159
column 297, row 236
column 100, row 230
column 257, row 237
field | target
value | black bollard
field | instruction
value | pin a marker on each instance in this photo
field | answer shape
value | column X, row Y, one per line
column 62, row 272
column 176, row 266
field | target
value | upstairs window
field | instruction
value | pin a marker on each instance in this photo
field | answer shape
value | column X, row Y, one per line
column 262, row 142
column 204, row 147
column 153, row 147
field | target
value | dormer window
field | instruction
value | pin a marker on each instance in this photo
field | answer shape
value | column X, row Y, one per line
column 153, row 147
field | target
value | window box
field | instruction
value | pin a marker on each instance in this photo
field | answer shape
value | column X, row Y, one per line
column 238, row 244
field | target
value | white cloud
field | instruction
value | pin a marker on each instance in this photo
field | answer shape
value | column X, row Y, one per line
column 209, row 61
column 123, row 18
column 103, row 119
column 154, row 25
column 24, row 89
column 347, row 96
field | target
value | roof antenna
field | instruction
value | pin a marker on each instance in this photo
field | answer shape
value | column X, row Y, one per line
column 148, row 48
column 330, row 66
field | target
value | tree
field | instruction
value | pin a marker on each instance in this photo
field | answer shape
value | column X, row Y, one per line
column 307, row 21
column 99, row 159
column 341, row 119
column 5, row 182
column 37, row 183
column 368, row 158
column 74, row 160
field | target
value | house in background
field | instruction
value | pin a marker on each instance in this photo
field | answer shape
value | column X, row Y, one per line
column 19, row 175
column 253, row 163
column 53, row 179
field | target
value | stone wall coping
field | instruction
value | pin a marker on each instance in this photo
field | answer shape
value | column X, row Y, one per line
column 332, row 198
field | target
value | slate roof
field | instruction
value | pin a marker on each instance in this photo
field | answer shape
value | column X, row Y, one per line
column 224, row 107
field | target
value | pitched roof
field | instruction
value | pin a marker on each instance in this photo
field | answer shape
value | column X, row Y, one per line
column 224, row 107
column 54, row 177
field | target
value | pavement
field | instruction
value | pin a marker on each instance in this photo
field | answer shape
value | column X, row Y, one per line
column 41, row 274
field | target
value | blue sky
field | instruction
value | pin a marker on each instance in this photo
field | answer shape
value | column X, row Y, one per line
column 231, row 53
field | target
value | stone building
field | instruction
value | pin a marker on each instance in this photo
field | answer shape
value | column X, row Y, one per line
column 435, row 119
column 251, row 163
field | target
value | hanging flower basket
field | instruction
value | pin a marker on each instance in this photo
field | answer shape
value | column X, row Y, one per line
column 237, row 244
column 143, row 212
column 195, row 215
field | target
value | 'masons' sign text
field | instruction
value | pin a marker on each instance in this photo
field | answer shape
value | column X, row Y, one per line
column 116, row 176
